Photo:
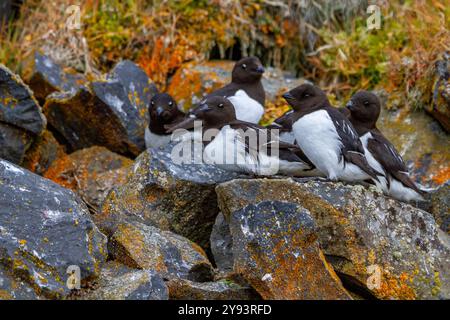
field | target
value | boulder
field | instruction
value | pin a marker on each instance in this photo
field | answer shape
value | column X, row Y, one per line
column 145, row 247
column 44, row 230
column 109, row 113
column 440, row 206
column 221, row 244
column 91, row 172
column 276, row 249
column 21, row 119
column 382, row 247
column 168, row 195
column 13, row 288
column 181, row 289
column 42, row 153
column 118, row 282
column 48, row 77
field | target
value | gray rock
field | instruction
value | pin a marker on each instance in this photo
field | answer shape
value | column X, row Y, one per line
column 181, row 289
column 276, row 249
column 176, row 197
column 44, row 229
column 14, row 142
column 145, row 247
column 117, row 282
column 221, row 244
column 105, row 113
column 440, row 206
column 13, row 288
column 47, row 77
column 363, row 233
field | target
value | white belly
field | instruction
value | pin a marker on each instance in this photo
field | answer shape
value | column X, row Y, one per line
column 316, row 135
column 153, row 140
column 246, row 108
column 398, row 191
column 382, row 183
column 288, row 137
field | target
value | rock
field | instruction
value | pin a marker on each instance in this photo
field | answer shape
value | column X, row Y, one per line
column 421, row 142
column 181, row 289
column 221, row 244
column 117, row 282
column 105, row 113
column 47, row 77
column 275, row 248
column 145, row 247
column 21, row 119
column 363, row 233
column 91, row 172
column 14, row 142
column 170, row 196
column 44, row 229
column 13, row 288
column 440, row 207
column 439, row 108
column 42, row 153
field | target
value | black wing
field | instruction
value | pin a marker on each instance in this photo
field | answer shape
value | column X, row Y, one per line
column 352, row 149
column 385, row 153
column 286, row 120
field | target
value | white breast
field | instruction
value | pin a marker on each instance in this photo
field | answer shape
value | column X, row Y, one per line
column 246, row 108
column 153, row 140
column 382, row 184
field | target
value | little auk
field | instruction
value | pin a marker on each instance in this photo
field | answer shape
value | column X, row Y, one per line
column 237, row 145
column 326, row 136
column 245, row 91
column 163, row 111
column 364, row 110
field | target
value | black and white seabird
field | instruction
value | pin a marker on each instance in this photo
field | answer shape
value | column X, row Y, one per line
column 364, row 110
column 163, row 111
column 326, row 136
column 237, row 145
column 245, row 91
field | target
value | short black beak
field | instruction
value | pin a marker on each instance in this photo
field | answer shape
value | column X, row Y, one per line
column 350, row 105
column 201, row 108
column 260, row 69
column 159, row 111
column 288, row 96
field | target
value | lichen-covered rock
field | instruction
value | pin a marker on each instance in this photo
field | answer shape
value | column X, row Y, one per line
column 105, row 113
column 145, row 247
column 44, row 150
column 91, row 172
column 181, row 289
column 170, row 196
column 13, row 288
column 21, row 119
column 47, row 77
column 367, row 236
column 14, row 142
column 439, row 107
column 44, row 229
column 275, row 248
column 118, row 282
column 440, row 206
column 221, row 244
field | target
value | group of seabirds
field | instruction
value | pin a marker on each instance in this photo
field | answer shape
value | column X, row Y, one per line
column 313, row 139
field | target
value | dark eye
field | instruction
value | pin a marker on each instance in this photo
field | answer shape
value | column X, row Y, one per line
column 153, row 103
column 306, row 95
column 170, row 103
column 244, row 66
column 366, row 103
column 220, row 105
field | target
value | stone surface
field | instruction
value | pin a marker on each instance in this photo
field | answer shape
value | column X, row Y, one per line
column 275, row 248
column 44, row 229
column 181, row 289
column 145, row 247
column 221, row 244
column 105, row 113
column 91, row 172
column 13, row 288
column 117, row 282
column 48, row 77
column 170, row 196
column 21, row 119
column 363, row 233
column 440, row 206
column 42, row 153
